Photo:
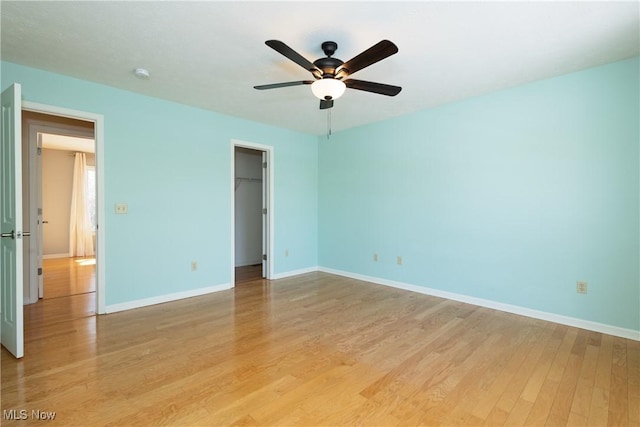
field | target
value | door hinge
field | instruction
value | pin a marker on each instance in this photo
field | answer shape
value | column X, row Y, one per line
column 264, row 165
column 264, row 257
column 264, row 211
column 40, row 271
column 39, row 151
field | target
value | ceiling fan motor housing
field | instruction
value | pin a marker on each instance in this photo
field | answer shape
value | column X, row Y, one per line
column 328, row 65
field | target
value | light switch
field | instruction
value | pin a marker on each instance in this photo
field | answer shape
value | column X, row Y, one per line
column 122, row 208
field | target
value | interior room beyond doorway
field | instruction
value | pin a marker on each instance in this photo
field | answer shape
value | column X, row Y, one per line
column 68, row 215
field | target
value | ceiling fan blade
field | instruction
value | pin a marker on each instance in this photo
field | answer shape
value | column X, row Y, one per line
column 380, row 88
column 326, row 103
column 285, row 84
column 285, row 50
column 375, row 53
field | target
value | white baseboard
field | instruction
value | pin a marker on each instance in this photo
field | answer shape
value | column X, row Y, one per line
column 52, row 256
column 293, row 273
column 523, row 311
column 166, row 298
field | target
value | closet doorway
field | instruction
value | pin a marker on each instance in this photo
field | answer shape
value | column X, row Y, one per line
column 251, row 213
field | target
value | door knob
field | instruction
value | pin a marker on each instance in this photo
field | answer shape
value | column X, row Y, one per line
column 12, row 234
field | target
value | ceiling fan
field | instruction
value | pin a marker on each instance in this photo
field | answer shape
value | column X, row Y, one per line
column 332, row 75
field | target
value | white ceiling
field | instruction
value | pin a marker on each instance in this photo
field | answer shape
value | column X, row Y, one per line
column 68, row 143
column 211, row 54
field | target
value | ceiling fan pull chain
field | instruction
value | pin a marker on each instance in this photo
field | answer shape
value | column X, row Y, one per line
column 328, row 123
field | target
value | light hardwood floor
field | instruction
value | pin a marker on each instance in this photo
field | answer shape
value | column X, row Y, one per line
column 248, row 273
column 69, row 294
column 322, row 350
column 68, row 276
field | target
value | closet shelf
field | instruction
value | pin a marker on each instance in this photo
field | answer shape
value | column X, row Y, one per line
column 241, row 180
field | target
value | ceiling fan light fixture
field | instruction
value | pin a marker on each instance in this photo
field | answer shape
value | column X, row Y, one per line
column 328, row 88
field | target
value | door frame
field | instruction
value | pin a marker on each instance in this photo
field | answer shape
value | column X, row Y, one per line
column 268, row 231
column 98, row 129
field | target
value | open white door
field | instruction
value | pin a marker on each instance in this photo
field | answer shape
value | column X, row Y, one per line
column 11, row 317
column 265, row 213
column 39, row 221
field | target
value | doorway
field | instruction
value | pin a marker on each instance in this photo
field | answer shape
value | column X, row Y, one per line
column 63, row 175
column 251, row 212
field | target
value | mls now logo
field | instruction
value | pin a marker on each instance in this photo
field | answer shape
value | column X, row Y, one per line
column 23, row 414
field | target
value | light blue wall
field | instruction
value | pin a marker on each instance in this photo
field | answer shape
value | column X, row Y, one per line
column 171, row 164
column 511, row 197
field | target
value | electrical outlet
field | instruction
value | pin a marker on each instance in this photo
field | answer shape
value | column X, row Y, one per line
column 581, row 287
column 122, row 208
column 194, row 265
column 399, row 260
column 375, row 257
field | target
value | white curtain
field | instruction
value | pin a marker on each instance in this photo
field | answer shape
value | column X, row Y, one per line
column 80, row 232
